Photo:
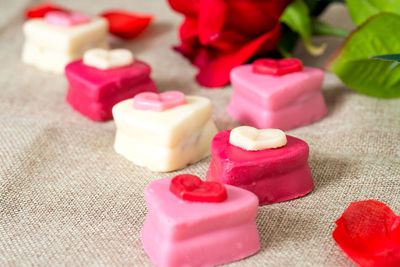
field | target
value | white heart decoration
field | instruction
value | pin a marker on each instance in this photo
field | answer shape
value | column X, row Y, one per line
column 107, row 59
column 253, row 139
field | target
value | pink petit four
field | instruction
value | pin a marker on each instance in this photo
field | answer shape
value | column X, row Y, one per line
column 196, row 223
column 102, row 79
column 266, row 162
column 276, row 94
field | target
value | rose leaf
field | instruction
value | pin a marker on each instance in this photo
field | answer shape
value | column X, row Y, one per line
column 361, row 10
column 297, row 17
column 366, row 62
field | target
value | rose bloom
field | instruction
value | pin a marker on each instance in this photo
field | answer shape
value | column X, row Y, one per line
column 218, row 35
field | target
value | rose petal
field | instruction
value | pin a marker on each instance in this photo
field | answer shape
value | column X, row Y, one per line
column 186, row 7
column 205, row 57
column 211, row 19
column 40, row 10
column 369, row 233
column 189, row 49
column 201, row 56
column 188, row 29
column 229, row 41
column 253, row 18
column 217, row 73
column 126, row 25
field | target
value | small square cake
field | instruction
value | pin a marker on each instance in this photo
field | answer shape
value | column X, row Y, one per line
column 164, row 132
column 195, row 223
column 59, row 38
column 100, row 81
column 266, row 162
column 276, row 94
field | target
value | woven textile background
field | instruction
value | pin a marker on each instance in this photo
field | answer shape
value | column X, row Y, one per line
column 66, row 198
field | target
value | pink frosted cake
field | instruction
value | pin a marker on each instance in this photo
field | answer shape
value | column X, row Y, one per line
column 276, row 94
column 102, row 79
column 266, row 162
column 196, row 223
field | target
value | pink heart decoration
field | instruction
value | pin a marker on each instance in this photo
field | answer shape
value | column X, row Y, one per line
column 62, row 18
column 159, row 102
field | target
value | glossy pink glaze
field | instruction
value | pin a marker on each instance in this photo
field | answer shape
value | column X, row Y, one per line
column 159, row 102
column 185, row 233
column 93, row 92
column 284, row 102
column 62, row 18
column 274, row 175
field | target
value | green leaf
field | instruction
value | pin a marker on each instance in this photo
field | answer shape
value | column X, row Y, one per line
column 361, row 10
column 373, row 77
column 365, row 61
column 320, row 28
column 392, row 57
column 297, row 17
column 287, row 41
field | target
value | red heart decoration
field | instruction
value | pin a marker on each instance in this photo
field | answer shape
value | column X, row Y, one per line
column 42, row 9
column 126, row 25
column 368, row 232
column 269, row 66
column 192, row 188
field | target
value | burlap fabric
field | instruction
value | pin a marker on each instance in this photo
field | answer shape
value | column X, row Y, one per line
column 66, row 198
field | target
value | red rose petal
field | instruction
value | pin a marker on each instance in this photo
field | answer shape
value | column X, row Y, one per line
column 192, row 188
column 229, row 41
column 188, row 29
column 40, row 10
column 186, row 7
column 204, row 57
column 211, row 20
column 368, row 232
column 126, row 25
column 216, row 74
column 254, row 18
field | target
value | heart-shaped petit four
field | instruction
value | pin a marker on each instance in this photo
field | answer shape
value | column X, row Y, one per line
column 250, row 138
column 274, row 175
column 62, row 18
column 186, row 233
column 275, row 67
column 108, row 59
column 192, row 188
column 159, row 102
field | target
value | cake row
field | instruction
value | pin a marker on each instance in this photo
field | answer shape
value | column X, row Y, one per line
column 266, row 94
column 167, row 131
column 190, row 222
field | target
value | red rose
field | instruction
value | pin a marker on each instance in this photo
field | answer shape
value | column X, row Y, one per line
column 218, row 35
